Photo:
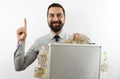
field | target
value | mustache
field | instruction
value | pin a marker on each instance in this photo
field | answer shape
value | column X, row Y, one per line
column 56, row 22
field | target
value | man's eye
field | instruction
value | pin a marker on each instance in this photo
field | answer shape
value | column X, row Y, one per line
column 59, row 15
column 51, row 15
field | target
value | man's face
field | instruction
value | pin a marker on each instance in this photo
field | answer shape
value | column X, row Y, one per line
column 56, row 19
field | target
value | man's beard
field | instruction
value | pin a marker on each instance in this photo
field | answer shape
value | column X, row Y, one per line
column 56, row 28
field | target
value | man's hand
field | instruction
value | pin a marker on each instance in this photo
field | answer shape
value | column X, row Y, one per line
column 22, row 32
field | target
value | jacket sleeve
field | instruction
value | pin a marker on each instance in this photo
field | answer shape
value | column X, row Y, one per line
column 22, row 61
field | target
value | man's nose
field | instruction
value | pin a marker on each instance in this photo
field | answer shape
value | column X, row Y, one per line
column 55, row 18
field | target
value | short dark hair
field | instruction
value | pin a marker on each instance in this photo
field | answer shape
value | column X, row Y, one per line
column 56, row 5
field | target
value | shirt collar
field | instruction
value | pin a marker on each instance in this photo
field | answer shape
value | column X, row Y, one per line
column 61, row 34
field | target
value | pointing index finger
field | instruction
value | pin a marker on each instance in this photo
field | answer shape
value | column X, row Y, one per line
column 25, row 24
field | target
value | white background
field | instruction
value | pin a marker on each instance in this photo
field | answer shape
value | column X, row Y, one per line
column 98, row 19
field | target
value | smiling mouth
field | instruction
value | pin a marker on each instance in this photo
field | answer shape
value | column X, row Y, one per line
column 55, row 24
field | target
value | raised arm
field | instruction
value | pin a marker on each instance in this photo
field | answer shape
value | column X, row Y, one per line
column 22, row 61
